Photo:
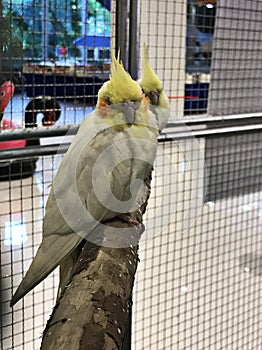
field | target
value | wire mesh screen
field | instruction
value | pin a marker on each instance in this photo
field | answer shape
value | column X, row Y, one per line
column 55, row 48
column 21, row 211
column 236, row 67
column 198, row 281
column 180, row 37
column 201, row 19
column 201, row 288
column 237, row 166
column 163, row 29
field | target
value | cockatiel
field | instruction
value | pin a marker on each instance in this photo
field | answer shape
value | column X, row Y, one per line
column 107, row 161
column 153, row 90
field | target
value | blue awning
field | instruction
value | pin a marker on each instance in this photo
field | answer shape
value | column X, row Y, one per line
column 92, row 41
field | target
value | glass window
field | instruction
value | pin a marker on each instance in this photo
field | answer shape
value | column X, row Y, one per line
column 104, row 55
column 200, row 30
column 90, row 55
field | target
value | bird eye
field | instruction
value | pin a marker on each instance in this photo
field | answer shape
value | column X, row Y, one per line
column 2, row 93
column 107, row 100
column 136, row 101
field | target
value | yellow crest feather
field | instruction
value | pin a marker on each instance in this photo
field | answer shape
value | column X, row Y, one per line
column 121, row 87
column 150, row 80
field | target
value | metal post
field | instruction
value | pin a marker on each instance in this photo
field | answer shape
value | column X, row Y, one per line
column 127, row 29
column 134, row 38
column 45, row 6
column 122, row 30
column 84, row 16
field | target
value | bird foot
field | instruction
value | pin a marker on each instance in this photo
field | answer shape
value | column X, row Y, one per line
column 127, row 218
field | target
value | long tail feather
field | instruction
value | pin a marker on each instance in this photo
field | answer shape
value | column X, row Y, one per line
column 52, row 251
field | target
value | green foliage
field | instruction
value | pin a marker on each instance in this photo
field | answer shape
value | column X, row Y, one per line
column 99, row 18
column 21, row 27
column 76, row 18
column 11, row 40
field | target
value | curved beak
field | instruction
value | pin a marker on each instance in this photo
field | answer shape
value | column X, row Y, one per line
column 154, row 97
column 129, row 110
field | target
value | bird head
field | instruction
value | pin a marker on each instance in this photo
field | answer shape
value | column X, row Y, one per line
column 153, row 90
column 151, row 84
column 120, row 93
column 6, row 92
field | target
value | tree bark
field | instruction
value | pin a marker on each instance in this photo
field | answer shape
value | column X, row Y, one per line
column 93, row 310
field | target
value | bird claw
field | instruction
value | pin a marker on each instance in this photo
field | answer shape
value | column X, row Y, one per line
column 127, row 218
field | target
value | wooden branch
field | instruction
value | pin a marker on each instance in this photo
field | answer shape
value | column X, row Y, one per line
column 93, row 311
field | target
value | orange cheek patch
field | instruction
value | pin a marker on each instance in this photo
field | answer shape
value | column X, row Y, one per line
column 102, row 109
column 145, row 101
